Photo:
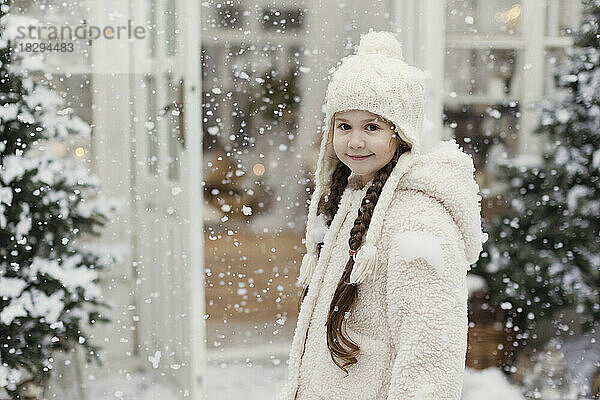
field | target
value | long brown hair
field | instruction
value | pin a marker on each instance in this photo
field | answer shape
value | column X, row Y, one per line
column 340, row 345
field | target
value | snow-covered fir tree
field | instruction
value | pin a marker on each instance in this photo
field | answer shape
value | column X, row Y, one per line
column 48, row 282
column 544, row 252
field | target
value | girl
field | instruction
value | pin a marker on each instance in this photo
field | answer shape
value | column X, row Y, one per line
column 391, row 233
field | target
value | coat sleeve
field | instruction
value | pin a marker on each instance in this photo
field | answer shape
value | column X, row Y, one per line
column 426, row 297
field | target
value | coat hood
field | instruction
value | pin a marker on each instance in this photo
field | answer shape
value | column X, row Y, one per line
column 446, row 174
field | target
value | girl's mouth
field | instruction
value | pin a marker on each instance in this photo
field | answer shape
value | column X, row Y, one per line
column 360, row 158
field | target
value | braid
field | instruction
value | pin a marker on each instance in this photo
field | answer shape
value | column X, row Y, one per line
column 340, row 345
column 329, row 204
column 339, row 181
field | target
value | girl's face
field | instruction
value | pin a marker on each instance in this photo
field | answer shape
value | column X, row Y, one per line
column 362, row 133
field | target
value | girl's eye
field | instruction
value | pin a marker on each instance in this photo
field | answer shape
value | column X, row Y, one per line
column 370, row 127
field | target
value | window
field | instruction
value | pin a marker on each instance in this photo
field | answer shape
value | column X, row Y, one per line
column 483, row 17
column 211, row 97
column 150, row 125
column 562, row 16
column 228, row 16
column 173, row 111
column 153, row 28
column 554, row 56
column 479, row 127
column 488, row 75
column 282, row 20
column 171, row 17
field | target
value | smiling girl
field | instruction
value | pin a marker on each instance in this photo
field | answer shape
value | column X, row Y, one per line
column 364, row 141
column 392, row 231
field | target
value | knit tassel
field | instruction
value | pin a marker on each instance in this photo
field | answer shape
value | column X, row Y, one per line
column 365, row 263
column 319, row 230
column 309, row 264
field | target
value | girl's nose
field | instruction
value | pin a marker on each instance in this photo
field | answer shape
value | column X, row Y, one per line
column 356, row 140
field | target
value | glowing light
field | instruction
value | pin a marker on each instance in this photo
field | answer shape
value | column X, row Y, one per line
column 510, row 16
column 79, row 152
column 258, row 169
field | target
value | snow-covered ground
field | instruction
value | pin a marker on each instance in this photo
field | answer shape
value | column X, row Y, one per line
column 248, row 363
column 262, row 380
column 224, row 381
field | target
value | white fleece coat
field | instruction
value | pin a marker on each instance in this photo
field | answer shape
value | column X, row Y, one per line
column 410, row 318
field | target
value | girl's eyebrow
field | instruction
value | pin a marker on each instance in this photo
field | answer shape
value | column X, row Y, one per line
column 364, row 120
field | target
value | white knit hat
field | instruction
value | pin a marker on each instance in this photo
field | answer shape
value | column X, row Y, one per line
column 376, row 79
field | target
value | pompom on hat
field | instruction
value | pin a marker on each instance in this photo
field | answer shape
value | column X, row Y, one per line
column 375, row 79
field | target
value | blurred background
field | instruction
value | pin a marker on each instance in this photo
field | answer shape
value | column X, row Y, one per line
column 201, row 138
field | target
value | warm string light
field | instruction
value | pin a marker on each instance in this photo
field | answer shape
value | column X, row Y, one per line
column 258, row 169
column 510, row 16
